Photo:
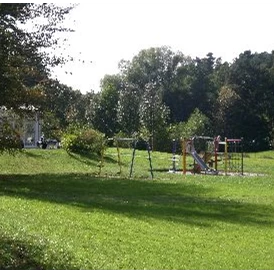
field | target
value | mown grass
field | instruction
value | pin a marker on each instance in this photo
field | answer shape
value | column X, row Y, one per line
column 56, row 213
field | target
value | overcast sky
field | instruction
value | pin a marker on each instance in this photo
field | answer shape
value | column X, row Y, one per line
column 107, row 31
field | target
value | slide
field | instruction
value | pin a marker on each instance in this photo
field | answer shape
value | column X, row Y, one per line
column 201, row 162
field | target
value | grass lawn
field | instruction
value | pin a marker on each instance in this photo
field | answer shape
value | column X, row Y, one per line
column 57, row 213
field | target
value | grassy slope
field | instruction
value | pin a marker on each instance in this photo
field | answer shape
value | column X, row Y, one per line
column 55, row 214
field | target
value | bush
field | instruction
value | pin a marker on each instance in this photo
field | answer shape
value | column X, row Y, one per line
column 85, row 140
column 9, row 139
column 197, row 125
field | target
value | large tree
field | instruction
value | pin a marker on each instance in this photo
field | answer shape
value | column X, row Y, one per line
column 129, row 109
column 146, row 79
column 251, row 77
column 25, row 31
column 62, row 106
column 106, row 110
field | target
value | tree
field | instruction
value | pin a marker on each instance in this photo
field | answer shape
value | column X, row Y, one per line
column 226, row 112
column 203, row 89
column 106, row 111
column 251, row 77
column 178, row 96
column 23, row 63
column 154, row 115
column 90, row 101
column 62, row 106
column 129, row 109
column 146, row 79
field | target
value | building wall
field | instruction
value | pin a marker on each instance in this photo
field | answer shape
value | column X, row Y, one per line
column 31, row 131
column 27, row 127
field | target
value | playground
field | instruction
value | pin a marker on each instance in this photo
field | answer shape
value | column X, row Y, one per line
column 198, row 155
column 209, row 155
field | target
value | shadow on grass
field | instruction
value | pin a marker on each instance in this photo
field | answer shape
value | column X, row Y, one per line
column 187, row 203
column 18, row 255
column 90, row 159
column 29, row 153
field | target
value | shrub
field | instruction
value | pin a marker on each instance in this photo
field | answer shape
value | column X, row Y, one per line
column 9, row 139
column 197, row 124
column 84, row 140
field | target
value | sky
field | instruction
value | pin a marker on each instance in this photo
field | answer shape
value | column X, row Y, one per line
column 107, row 31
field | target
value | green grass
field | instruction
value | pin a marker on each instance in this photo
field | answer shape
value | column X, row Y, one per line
column 56, row 213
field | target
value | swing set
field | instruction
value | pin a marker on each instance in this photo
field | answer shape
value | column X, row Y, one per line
column 134, row 142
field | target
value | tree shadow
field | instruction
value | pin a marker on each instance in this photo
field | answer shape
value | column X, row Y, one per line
column 19, row 255
column 90, row 159
column 183, row 203
column 29, row 153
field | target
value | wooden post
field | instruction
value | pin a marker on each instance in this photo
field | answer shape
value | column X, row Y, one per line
column 184, row 155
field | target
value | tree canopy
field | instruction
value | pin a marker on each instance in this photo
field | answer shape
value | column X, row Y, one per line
column 26, row 29
column 160, row 93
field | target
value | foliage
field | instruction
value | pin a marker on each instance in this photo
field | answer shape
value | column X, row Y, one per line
column 9, row 138
column 251, row 77
column 227, row 111
column 122, row 144
column 197, row 125
column 51, row 125
column 128, row 113
column 157, row 88
column 23, row 64
column 89, row 102
column 160, row 87
column 26, row 30
column 154, row 115
column 161, row 141
column 105, row 116
column 63, row 106
column 84, row 140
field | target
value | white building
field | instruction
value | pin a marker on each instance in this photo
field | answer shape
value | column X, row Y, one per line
column 27, row 125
